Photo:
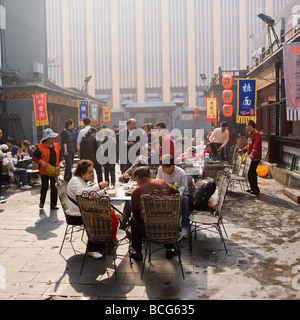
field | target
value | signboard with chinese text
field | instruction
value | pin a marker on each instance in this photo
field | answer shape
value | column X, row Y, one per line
column 94, row 108
column 83, row 111
column 106, row 115
column 246, row 100
column 40, row 109
column 291, row 56
column 211, row 110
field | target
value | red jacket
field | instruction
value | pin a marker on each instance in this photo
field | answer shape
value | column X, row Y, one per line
column 254, row 146
column 166, row 146
column 39, row 155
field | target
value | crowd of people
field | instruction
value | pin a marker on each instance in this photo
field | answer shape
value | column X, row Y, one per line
column 136, row 151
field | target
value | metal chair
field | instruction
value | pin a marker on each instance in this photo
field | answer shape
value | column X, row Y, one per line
column 204, row 220
column 162, row 217
column 97, row 218
column 241, row 179
column 61, row 187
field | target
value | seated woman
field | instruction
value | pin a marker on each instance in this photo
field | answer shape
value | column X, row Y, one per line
column 82, row 174
column 189, row 156
column 212, row 150
column 19, row 171
column 26, row 149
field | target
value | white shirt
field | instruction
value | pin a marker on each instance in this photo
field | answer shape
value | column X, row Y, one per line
column 178, row 175
column 82, row 134
column 218, row 136
column 76, row 186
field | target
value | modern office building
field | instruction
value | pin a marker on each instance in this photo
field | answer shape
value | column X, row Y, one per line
column 151, row 50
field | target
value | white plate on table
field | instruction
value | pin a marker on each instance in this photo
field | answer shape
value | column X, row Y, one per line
column 128, row 186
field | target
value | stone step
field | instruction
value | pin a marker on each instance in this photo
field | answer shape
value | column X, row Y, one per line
column 293, row 194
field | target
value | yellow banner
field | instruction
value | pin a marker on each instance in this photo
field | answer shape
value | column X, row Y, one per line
column 106, row 115
column 211, row 110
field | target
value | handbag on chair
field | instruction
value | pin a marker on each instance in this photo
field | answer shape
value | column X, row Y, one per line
column 51, row 171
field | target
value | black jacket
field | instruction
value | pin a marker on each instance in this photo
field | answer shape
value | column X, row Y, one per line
column 88, row 148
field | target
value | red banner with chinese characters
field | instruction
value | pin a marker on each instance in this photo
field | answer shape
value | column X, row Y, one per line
column 291, row 56
column 40, row 109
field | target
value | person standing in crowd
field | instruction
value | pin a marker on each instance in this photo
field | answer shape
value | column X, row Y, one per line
column 82, row 132
column 220, row 137
column 110, row 165
column 12, row 147
column 26, row 149
column 210, row 133
column 88, row 151
column 229, row 145
column 166, row 144
column 68, row 148
column 131, row 126
column 48, row 152
column 170, row 174
column 254, row 149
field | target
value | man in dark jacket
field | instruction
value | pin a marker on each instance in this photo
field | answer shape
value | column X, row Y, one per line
column 68, row 147
column 89, row 147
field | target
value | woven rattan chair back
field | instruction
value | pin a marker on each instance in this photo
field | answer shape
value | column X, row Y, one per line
column 61, row 187
column 161, row 216
column 96, row 215
column 222, row 194
column 237, row 163
column 247, row 163
column 219, row 180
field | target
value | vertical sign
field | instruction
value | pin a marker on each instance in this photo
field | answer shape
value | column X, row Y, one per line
column 291, row 56
column 94, row 108
column 106, row 115
column 40, row 110
column 246, row 100
column 83, row 111
column 211, row 110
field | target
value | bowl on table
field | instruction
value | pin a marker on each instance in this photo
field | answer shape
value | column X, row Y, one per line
column 111, row 192
column 129, row 186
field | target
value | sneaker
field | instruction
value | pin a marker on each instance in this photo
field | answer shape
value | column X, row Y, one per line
column 249, row 191
column 26, row 187
column 95, row 255
column 2, row 198
column 2, row 201
column 255, row 192
column 185, row 233
column 41, row 205
column 136, row 255
column 170, row 253
column 54, row 208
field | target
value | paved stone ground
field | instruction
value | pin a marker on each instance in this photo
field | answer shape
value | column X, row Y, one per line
column 263, row 260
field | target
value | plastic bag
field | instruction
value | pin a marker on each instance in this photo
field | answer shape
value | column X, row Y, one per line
column 214, row 200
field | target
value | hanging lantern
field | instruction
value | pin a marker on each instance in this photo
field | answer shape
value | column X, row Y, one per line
column 227, row 96
column 227, row 81
column 227, row 110
column 196, row 117
column 196, row 110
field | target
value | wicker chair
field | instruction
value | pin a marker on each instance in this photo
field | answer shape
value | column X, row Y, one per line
column 61, row 187
column 97, row 219
column 202, row 220
column 161, row 217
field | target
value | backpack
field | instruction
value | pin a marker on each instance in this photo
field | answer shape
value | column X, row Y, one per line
column 203, row 190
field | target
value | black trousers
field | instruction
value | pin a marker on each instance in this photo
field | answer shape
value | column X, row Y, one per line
column 98, row 169
column 137, row 233
column 110, row 169
column 252, row 176
column 45, row 186
column 69, row 159
column 221, row 154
